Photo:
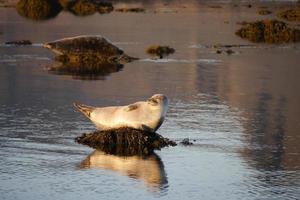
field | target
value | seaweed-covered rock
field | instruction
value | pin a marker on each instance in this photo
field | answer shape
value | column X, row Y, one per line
column 83, row 8
column 92, row 48
column 88, row 46
column 38, row 9
column 89, row 7
column 269, row 31
column 105, row 7
column 160, row 51
column 125, row 141
column 87, row 57
column 290, row 15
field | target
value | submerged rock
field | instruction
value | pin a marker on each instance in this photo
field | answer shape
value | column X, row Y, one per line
column 136, row 10
column 290, row 15
column 125, row 141
column 19, row 42
column 215, row 6
column 38, row 9
column 269, row 31
column 160, row 51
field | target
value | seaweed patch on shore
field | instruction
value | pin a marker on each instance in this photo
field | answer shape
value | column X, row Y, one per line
column 160, row 51
column 269, row 31
column 125, row 141
column 290, row 15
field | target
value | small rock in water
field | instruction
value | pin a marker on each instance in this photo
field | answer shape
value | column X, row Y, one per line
column 229, row 52
column 125, row 141
column 186, row 142
column 218, row 51
column 136, row 10
column 19, row 42
column 160, row 51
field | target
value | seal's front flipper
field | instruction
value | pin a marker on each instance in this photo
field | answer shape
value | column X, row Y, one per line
column 131, row 107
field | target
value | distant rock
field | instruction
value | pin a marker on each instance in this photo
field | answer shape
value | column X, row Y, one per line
column 19, row 42
column 89, row 7
column 136, row 10
column 269, row 31
column 37, row 9
column 46, row 9
column 290, row 15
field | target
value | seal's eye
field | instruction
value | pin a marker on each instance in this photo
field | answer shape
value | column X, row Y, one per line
column 153, row 101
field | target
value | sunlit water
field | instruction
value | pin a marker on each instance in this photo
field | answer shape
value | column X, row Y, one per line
column 241, row 111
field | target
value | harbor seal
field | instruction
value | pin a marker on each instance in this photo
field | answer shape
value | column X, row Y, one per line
column 143, row 115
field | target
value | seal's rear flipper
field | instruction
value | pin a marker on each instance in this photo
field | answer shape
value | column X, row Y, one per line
column 86, row 110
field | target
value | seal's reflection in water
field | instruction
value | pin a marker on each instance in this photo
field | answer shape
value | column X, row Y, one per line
column 149, row 169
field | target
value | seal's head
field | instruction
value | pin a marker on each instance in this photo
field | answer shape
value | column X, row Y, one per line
column 159, row 101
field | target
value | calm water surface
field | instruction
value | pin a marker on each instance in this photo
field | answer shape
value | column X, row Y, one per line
column 241, row 111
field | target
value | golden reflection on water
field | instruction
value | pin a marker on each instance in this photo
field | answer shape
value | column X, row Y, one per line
column 263, row 88
column 148, row 169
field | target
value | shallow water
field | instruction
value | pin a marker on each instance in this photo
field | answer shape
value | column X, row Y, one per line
column 241, row 111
